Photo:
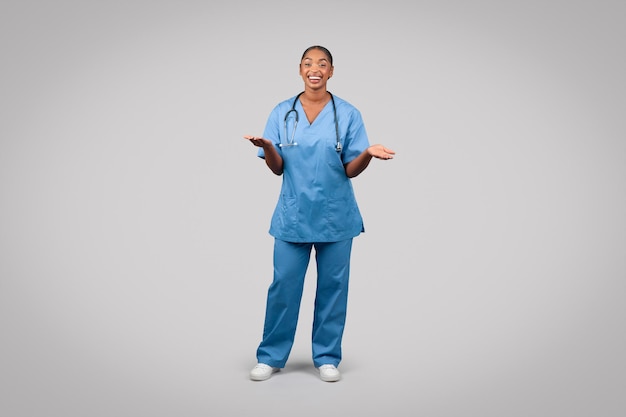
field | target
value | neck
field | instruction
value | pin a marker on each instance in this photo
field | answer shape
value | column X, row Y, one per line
column 316, row 96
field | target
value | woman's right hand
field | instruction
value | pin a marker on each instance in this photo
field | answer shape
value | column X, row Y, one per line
column 257, row 141
column 272, row 158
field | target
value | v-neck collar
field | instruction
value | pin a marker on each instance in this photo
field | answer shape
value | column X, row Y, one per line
column 329, row 102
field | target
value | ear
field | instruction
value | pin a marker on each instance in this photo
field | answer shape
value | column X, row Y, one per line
column 332, row 71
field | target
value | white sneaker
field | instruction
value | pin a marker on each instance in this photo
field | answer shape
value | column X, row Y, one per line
column 329, row 373
column 261, row 372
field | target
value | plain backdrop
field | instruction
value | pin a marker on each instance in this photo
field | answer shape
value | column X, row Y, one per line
column 134, row 253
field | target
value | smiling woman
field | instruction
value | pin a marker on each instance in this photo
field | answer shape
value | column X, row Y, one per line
column 316, row 209
column 492, row 270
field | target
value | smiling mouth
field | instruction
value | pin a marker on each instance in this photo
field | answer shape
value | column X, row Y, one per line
column 315, row 78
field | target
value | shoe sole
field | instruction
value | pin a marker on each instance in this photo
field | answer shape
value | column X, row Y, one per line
column 263, row 378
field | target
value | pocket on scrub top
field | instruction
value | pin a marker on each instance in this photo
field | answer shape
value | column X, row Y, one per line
column 288, row 212
column 341, row 214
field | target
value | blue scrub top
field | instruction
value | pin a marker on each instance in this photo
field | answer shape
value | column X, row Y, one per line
column 316, row 202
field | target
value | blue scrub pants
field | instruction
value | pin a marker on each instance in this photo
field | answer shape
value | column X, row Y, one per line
column 284, row 295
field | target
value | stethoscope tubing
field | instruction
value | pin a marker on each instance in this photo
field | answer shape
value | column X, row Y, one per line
column 290, row 142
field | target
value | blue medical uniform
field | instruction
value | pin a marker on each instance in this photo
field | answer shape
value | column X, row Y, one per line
column 316, row 209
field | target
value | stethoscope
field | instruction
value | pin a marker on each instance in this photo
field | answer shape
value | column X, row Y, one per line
column 295, row 124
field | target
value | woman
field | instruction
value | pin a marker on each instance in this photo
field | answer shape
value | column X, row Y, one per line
column 317, row 142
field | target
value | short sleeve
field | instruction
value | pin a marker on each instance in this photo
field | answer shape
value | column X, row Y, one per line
column 356, row 140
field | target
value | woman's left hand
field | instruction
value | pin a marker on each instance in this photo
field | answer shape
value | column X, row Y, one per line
column 380, row 152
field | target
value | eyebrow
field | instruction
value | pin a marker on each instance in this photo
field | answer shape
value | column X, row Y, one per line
column 311, row 59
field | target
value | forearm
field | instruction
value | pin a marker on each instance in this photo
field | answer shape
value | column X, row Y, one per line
column 358, row 164
column 273, row 159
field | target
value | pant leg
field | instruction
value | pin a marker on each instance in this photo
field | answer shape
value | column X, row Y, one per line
column 283, row 302
column 331, row 298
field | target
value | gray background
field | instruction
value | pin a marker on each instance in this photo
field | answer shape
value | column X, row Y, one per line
column 134, row 254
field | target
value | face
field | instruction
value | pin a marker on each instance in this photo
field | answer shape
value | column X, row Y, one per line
column 315, row 69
